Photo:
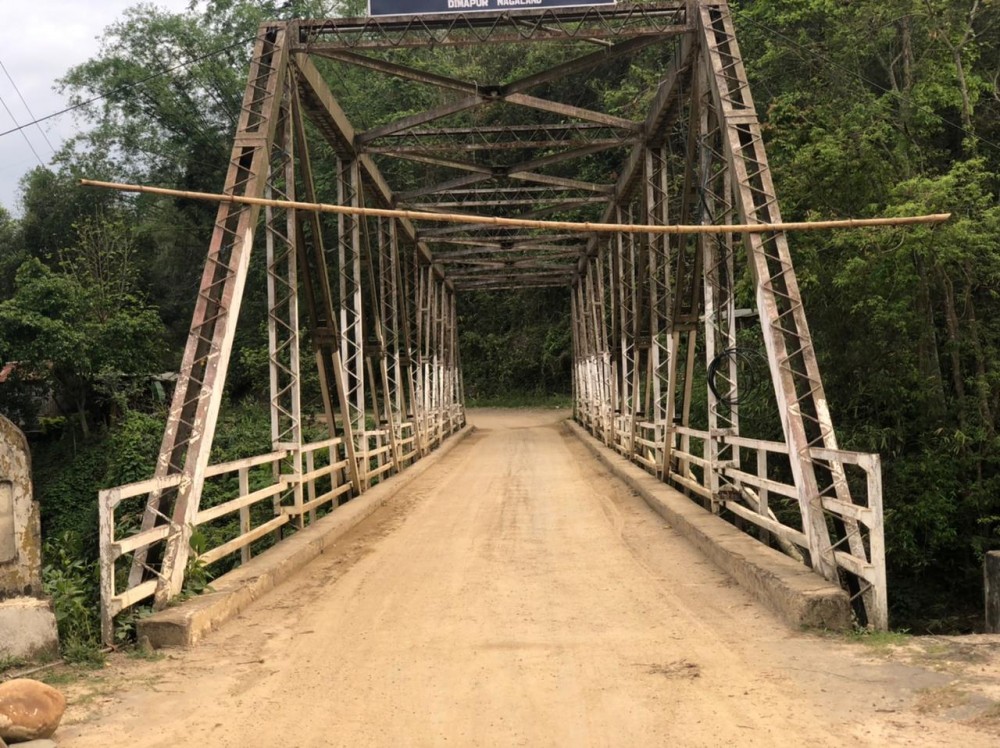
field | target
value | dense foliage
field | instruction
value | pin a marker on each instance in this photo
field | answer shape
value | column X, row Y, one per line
column 885, row 107
column 892, row 108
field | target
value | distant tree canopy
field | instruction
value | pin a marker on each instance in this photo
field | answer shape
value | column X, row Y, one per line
column 870, row 108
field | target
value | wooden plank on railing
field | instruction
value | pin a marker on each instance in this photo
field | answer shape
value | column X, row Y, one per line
column 115, row 496
column 213, row 471
column 139, row 540
column 325, row 444
column 855, row 512
column 378, row 451
column 648, row 462
column 753, row 480
column 691, row 485
column 688, row 431
column 130, row 597
column 839, row 455
column 380, row 470
column 319, row 500
column 319, row 472
column 688, row 457
column 757, row 444
column 213, row 555
column 854, row 565
column 783, row 531
column 214, row 512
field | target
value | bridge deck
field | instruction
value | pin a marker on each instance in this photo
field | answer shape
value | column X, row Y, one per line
column 517, row 595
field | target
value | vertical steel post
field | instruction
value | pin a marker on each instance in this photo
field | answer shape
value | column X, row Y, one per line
column 187, row 441
column 281, row 244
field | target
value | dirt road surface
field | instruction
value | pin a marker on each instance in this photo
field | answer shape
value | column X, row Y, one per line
column 516, row 595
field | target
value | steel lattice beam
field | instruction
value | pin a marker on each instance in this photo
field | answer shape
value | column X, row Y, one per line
column 653, row 317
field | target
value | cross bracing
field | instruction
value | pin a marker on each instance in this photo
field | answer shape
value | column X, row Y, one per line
column 666, row 345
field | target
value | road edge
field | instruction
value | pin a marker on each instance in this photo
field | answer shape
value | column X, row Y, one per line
column 794, row 592
column 185, row 624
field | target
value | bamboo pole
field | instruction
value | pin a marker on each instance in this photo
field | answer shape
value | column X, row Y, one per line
column 584, row 226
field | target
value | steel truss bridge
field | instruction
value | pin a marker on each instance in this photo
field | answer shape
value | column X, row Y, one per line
column 654, row 316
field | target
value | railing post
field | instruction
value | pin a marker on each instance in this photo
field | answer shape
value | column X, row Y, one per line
column 106, row 540
column 244, row 475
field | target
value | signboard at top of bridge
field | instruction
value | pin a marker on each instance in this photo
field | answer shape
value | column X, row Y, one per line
column 425, row 7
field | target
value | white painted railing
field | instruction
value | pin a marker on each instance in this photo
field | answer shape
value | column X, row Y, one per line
column 265, row 499
column 756, row 487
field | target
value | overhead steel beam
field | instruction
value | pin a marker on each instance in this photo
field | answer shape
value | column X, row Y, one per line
column 537, row 129
column 451, row 184
column 570, row 184
column 544, row 250
column 579, row 64
column 404, row 123
column 502, row 203
column 399, row 71
column 667, row 96
column 427, row 149
column 556, row 281
column 568, row 110
column 465, row 29
column 321, row 105
column 473, row 256
column 488, row 172
column 505, row 240
column 569, row 154
column 530, row 165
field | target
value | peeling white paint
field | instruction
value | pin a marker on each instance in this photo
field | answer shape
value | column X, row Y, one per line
column 20, row 531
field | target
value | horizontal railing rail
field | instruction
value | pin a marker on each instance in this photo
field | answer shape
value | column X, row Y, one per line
column 756, row 489
column 247, row 501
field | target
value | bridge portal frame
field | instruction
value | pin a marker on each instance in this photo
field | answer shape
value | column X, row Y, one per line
column 383, row 321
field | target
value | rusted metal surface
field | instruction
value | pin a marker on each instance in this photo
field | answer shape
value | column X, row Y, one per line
column 271, row 157
column 594, row 25
column 652, row 307
column 637, row 349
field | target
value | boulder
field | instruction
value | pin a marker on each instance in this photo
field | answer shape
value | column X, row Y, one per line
column 29, row 710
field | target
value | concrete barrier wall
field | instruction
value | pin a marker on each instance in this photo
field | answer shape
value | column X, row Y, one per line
column 798, row 595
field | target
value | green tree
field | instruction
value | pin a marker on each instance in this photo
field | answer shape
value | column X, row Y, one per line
column 81, row 333
column 889, row 108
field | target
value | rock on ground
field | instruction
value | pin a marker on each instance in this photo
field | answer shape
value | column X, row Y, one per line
column 29, row 710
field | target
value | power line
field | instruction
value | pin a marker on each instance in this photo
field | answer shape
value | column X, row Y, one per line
column 23, row 134
column 859, row 76
column 127, row 86
column 30, row 113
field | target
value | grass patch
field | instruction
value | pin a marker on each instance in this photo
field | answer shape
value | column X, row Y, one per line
column 988, row 719
column 934, row 700
column 880, row 641
column 67, row 674
column 11, row 663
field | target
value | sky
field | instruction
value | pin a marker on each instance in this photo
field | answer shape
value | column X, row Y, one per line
column 45, row 38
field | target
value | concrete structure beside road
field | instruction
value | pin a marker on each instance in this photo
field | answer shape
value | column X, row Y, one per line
column 27, row 624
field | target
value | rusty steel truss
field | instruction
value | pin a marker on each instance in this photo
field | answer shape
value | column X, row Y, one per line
column 654, row 317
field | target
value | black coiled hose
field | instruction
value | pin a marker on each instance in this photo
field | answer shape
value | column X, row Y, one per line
column 748, row 376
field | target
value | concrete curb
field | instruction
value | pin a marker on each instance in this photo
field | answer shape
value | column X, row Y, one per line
column 794, row 592
column 188, row 622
